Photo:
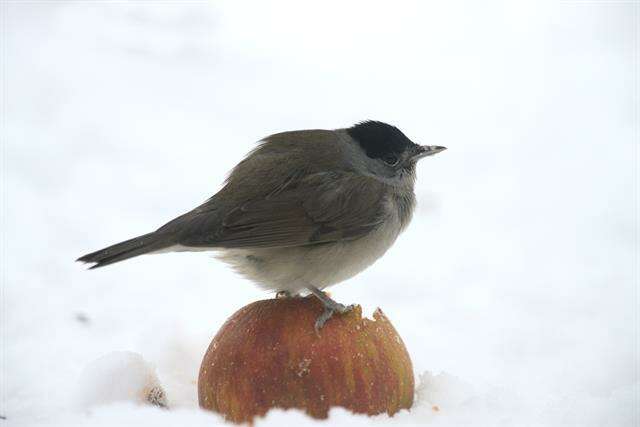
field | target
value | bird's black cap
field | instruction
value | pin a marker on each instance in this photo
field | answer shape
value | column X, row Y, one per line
column 378, row 139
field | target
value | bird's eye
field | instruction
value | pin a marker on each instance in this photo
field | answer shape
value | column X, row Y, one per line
column 390, row 159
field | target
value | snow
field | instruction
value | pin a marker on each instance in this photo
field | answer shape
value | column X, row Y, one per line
column 514, row 289
column 121, row 376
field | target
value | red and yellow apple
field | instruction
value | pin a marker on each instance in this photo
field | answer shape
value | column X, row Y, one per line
column 268, row 355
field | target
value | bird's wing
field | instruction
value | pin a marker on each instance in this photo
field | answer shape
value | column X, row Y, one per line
column 316, row 208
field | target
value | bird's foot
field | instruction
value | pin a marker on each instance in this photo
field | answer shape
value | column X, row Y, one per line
column 328, row 313
column 283, row 294
column 330, row 307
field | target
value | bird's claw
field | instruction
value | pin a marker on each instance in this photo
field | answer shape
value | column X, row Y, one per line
column 283, row 294
column 328, row 313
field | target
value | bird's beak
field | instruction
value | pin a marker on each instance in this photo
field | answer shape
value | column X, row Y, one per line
column 427, row 150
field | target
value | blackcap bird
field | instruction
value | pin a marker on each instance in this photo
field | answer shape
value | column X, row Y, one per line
column 303, row 211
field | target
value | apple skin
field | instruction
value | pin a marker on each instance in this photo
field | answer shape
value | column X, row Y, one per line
column 268, row 355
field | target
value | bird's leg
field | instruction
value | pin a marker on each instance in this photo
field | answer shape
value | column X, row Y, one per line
column 330, row 307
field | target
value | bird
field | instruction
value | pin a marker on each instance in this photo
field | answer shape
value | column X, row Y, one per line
column 304, row 210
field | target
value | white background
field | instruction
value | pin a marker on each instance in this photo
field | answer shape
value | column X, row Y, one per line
column 517, row 276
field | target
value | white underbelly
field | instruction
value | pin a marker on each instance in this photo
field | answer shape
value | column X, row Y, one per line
column 293, row 269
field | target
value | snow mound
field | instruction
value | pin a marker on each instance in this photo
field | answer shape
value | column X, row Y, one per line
column 121, row 376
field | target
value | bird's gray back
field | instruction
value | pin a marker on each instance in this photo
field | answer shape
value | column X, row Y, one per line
column 294, row 189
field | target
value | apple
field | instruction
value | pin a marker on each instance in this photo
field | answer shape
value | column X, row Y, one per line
column 269, row 355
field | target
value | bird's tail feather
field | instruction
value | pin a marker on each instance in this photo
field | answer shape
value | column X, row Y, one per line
column 124, row 250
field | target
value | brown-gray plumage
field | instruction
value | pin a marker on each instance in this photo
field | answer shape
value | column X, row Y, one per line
column 304, row 210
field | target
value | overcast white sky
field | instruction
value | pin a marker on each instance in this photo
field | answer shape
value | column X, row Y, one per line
column 518, row 272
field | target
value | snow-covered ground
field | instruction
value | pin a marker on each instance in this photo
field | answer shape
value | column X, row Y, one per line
column 514, row 289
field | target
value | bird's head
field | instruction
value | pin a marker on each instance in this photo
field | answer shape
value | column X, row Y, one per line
column 388, row 153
